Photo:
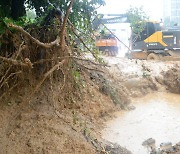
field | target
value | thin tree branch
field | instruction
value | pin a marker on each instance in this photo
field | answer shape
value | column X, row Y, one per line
column 14, row 62
column 79, row 37
column 64, row 22
column 6, row 79
column 44, row 78
column 116, row 37
column 89, row 34
column 18, row 52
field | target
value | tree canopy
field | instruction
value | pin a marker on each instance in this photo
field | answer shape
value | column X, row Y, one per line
column 81, row 15
column 137, row 19
column 16, row 8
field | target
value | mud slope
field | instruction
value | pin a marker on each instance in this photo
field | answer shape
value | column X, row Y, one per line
column 48, row 125
column 140, row 77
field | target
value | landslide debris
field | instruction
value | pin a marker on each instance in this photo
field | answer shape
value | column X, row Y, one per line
column 48, row 101
column 117, row 92
column 171, row 79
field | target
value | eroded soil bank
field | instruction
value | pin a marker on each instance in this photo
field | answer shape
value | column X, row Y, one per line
column 49, row 126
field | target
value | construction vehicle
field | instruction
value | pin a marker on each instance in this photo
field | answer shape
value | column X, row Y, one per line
column 107, row 42
column 153, row 42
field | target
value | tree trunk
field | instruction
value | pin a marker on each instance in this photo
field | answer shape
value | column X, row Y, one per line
column 17, row 9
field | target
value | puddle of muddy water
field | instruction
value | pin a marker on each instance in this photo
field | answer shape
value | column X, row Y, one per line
column 156, row 115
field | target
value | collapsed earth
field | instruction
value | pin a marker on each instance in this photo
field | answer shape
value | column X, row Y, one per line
column 59, row 93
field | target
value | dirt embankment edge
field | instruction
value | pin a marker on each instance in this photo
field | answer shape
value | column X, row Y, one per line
column 49, row 125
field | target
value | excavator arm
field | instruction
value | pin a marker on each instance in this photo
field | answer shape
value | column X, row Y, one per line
column 107, row 43
column 111, row 19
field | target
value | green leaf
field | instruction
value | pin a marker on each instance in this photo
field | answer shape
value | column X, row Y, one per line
column 77, row 75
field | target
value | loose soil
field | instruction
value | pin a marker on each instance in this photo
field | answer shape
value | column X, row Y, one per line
column 48, row 126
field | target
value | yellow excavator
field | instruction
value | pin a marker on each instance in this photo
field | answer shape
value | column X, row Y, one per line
column 155, row 43
column 152, row 43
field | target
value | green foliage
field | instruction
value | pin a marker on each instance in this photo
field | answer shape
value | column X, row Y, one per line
column 23, row 21
column 81, row 16
column 2, row 26
column 76, row 75
column 145, row 74
column 82, row 11
column 138, row 19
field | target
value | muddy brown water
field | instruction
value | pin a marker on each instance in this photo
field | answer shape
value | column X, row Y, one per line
column 156, row 116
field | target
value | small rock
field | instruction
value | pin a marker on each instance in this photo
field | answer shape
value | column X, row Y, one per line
column 131, row 108
column 166, row 146
column 150, row 144
column 29, row 143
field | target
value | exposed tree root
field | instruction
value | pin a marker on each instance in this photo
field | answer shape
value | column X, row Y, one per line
column 15, row 62
column 45, row 45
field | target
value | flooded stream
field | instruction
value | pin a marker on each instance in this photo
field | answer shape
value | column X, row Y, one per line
column 156, row 116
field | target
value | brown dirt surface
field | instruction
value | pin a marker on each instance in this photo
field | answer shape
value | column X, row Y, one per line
column 172, row 79
column 177, row 148
column 49, row 125
column 140, row 77
column 39, row 129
